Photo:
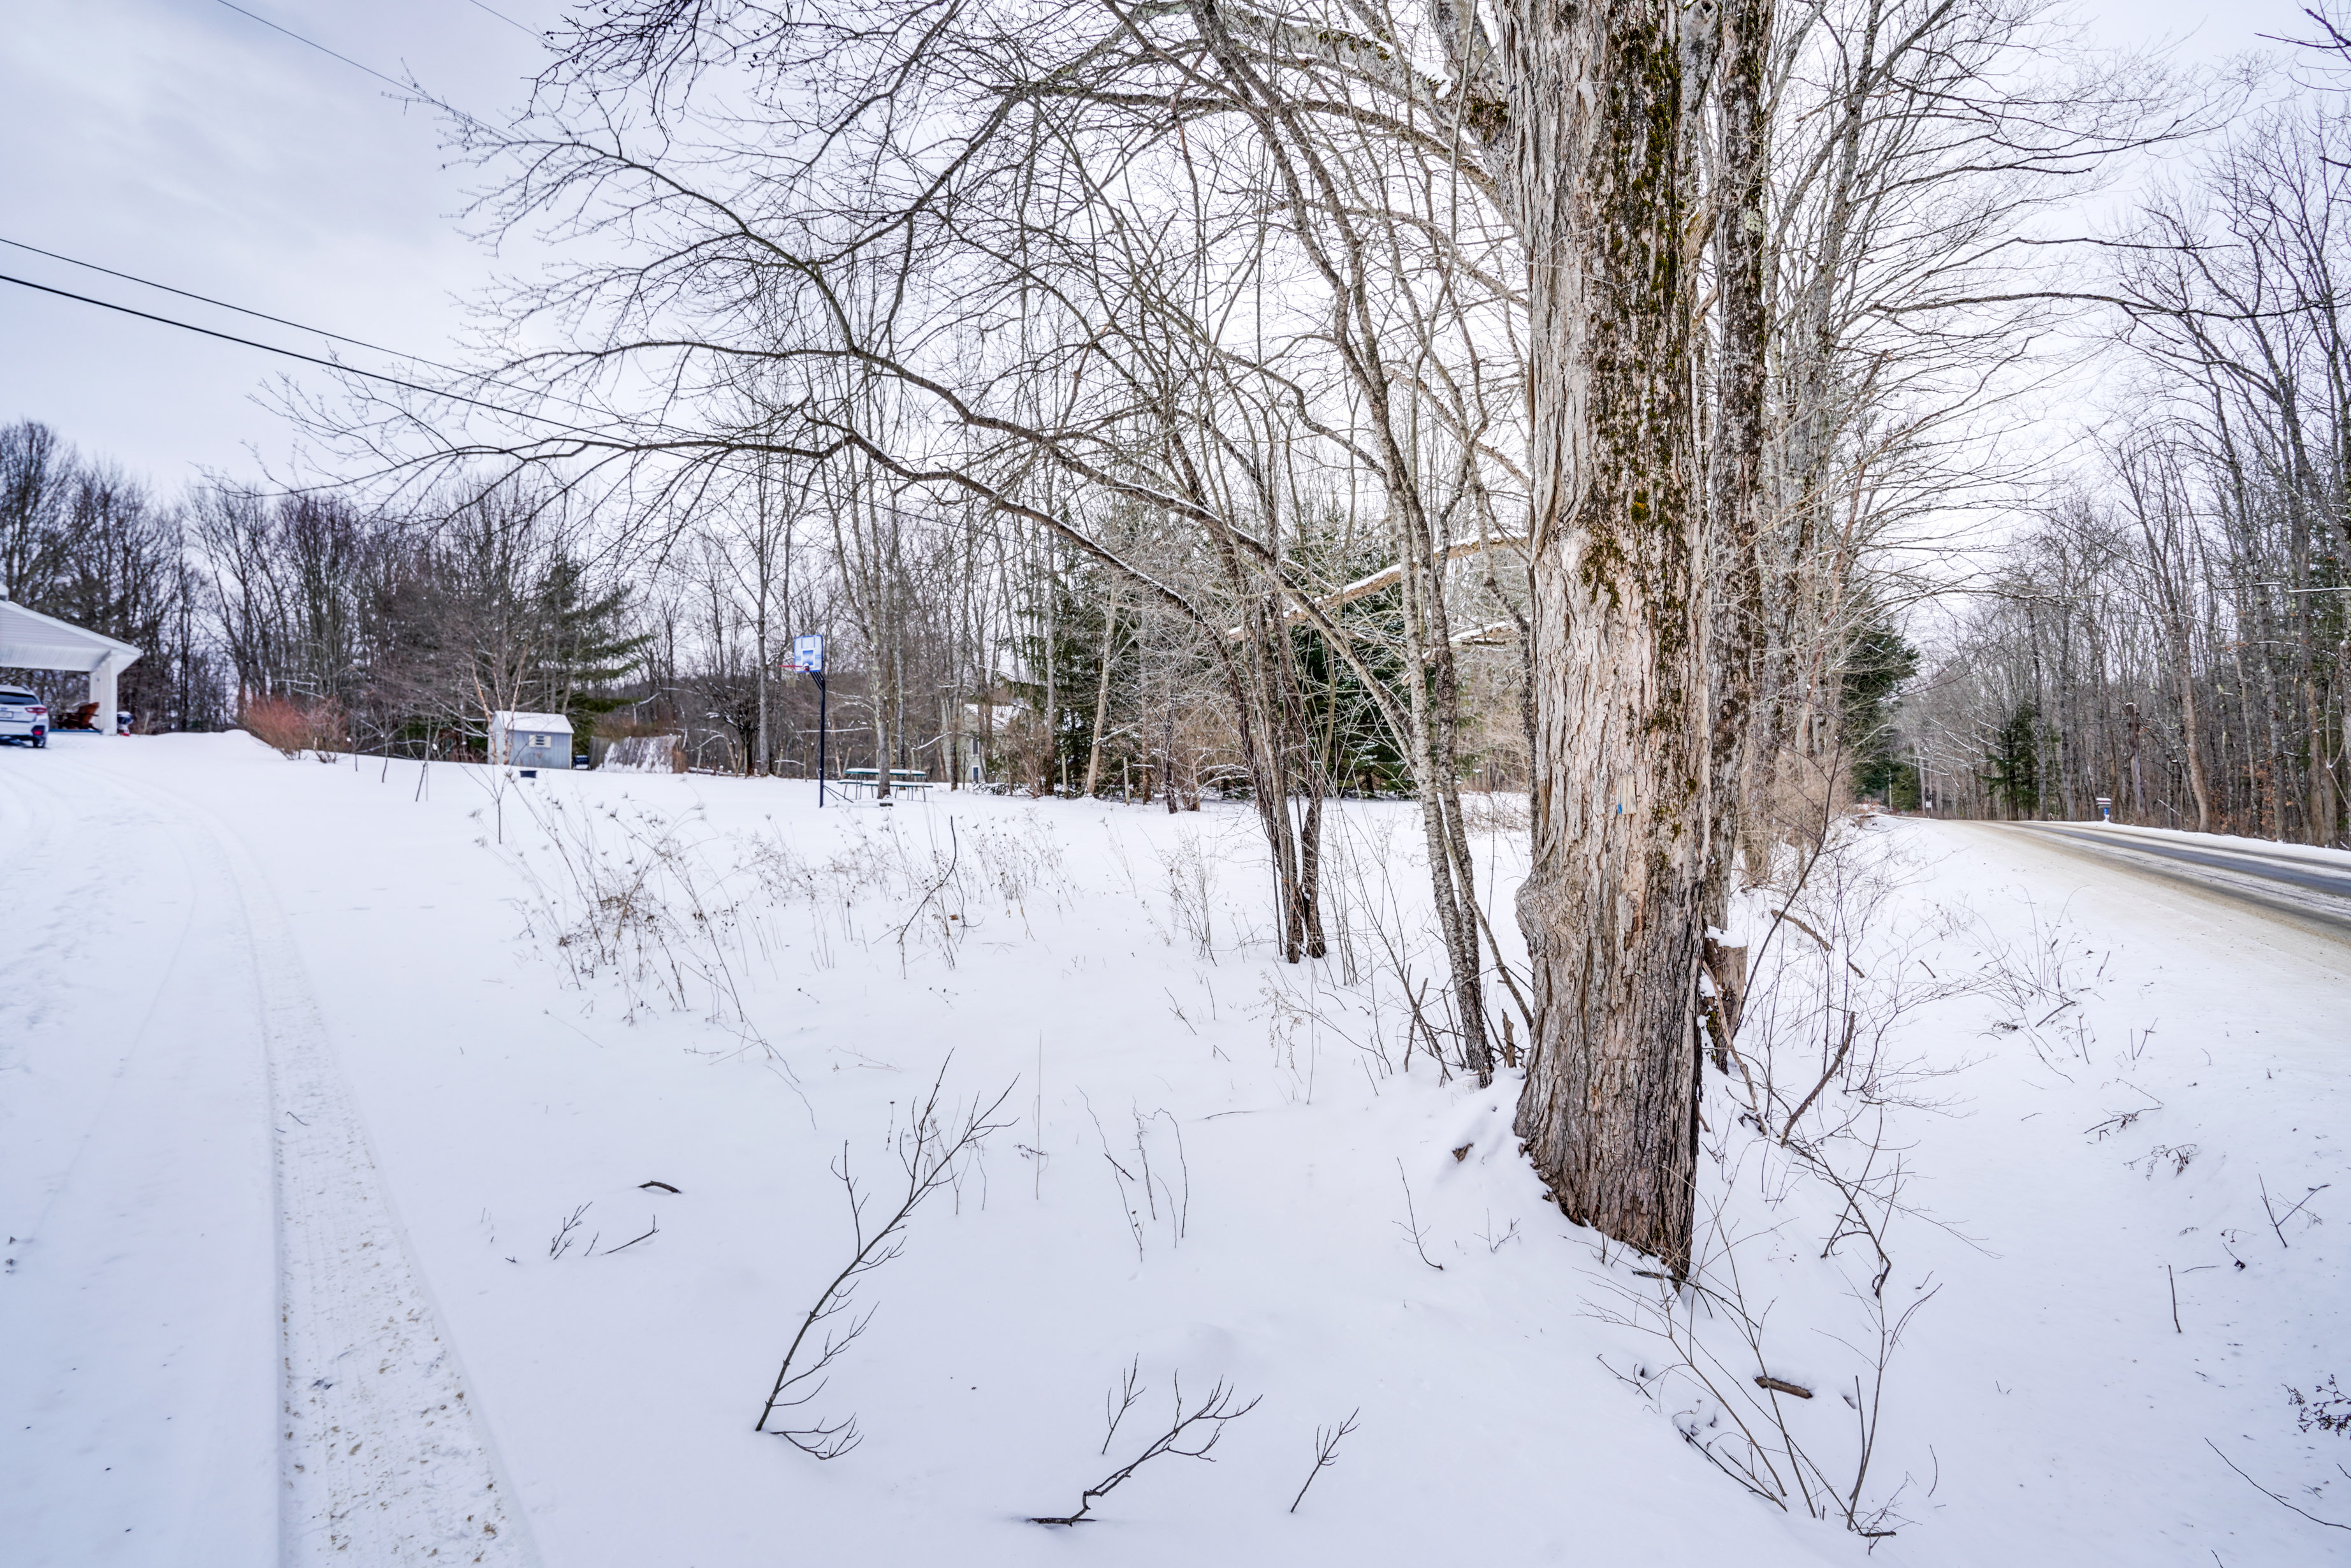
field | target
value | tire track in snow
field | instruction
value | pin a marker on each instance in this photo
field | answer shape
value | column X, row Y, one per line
column 383, row 1456
column 33, row 865
column 135, row 1174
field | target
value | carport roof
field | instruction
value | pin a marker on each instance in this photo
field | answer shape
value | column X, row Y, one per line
column 32, row 640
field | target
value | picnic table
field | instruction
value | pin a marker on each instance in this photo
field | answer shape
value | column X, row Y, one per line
column 903, row 781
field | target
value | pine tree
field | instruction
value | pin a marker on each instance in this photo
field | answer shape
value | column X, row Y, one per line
column 588, row 647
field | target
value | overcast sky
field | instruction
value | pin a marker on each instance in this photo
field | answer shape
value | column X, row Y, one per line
column 187, row 143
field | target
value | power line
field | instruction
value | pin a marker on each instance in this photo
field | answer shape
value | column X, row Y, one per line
column 402, row 86
column 225, row 305
column 282, row 322
column 406, row 87
column 502, row 17
column 292, row 354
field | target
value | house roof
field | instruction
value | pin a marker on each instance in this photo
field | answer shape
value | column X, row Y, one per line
column 530, row 721
column 32, row 640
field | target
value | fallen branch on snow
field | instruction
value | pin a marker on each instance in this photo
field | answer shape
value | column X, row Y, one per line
column 929, row 1156
column 1216, row 1410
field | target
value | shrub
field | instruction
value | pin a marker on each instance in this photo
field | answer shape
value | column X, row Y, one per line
column 293, row 728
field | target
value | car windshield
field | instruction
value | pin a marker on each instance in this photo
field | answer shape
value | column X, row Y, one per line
column 17, row 698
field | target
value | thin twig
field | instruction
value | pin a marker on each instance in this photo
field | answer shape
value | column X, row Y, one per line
column 624, row 1246
column 1799, row 925
column 2277, row 1220
column 929, row 1162
column 1216, row 1410
column 561, row 1241
column 2270, row 1495
column 1130, row 1390
column 1414, row 1229
column 1796, row 1115
column 1326, row 1453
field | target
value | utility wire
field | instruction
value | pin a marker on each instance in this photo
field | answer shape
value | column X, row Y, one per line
column 502, row 17
column 279, row 321
column 292, row 354
column 225, row 305
column 402, row 86
column 409, row 88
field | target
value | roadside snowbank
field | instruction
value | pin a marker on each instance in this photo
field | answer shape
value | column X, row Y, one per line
column 2317, row 855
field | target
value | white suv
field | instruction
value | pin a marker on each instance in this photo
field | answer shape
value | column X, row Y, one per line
column 23, row 717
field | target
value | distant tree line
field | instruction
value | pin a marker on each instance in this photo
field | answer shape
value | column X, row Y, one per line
column 407, row 631
column 971, row 656
column 2171, row 628
column 83, row 542
column 392, row 632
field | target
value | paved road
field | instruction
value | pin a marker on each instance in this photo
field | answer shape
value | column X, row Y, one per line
column 2312, row 892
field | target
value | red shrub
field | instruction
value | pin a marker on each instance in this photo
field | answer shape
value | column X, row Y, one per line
column 294, row 727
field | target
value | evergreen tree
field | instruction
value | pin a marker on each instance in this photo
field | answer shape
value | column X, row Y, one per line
column 2015, row 761
column 1878, row 660
column 1357, row 754
column 588, row 647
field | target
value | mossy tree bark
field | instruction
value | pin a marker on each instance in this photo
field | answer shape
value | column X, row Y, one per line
column 1612, row 910
column 1740, row 521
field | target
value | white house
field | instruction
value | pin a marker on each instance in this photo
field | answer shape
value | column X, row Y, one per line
column 530, row 740
column 32, row 640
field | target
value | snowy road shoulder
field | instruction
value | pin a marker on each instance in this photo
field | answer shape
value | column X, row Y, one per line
column 2309, row 887
column 2129, row 1323
column 138, row 1297
column 378, row 1456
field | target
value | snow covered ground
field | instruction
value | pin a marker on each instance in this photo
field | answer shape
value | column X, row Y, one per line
column 351, row 1045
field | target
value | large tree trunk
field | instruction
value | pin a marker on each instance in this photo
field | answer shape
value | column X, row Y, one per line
column 1612, row 908
column 1738, row 518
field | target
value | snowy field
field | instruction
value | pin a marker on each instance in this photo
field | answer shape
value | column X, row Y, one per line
column 2056, row 1243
